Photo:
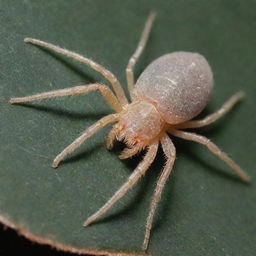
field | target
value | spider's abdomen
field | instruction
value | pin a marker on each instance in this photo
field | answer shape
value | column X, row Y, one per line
column 179, row 84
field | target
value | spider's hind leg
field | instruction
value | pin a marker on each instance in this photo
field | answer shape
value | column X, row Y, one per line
column 214, row 149
column 214, row 116
column 137, row 53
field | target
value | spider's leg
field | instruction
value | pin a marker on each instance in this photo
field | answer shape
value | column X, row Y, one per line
column 137, row 53
column 215, row 116
column 213, row 148
column 170, row 152
column 85, row 135
column 133, row 179
column 104, row 90
column 106, row 73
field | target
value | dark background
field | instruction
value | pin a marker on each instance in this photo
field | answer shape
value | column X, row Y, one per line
column 12, row 244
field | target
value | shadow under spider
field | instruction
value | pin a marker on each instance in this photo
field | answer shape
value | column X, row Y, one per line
column 185, row 147
column 168, row 198
column 145, row 186
column 68, row 64
column 81, row 155
column 89, row 79
column 64, row 113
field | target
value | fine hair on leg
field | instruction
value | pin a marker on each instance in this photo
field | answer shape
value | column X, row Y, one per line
column 110, row 139
column 170, row 153
column 106, row 73
column 133, row 179
column 85, row 135
column 215, row 116
column 213, row 148
column 137, row 53
column 104, row 90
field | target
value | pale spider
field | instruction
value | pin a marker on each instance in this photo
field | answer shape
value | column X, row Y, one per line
column 170, row 92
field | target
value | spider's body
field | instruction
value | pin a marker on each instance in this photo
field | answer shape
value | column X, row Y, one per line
column 169, row 93
column 179, row 84
column 140, row 123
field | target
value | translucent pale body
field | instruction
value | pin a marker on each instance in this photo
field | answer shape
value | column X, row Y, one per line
column 140, row 122
column 179, row 84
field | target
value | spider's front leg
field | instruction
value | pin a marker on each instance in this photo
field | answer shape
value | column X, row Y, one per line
column 85, row 135
column 106, row 93
column 106, row 73
column 104, row 90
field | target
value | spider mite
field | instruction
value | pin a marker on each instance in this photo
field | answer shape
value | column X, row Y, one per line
column 171, row 91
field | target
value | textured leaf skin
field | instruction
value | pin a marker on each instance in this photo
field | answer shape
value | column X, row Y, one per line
column 205, row 209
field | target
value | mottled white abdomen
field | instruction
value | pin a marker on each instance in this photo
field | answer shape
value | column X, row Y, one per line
column 179, row 84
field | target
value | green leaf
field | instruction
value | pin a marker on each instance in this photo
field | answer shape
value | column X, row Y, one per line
column 205, row 209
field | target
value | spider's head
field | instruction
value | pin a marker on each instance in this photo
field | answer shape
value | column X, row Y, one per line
column 138, row 125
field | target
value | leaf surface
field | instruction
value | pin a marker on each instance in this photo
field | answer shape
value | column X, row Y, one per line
column 205, row 209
